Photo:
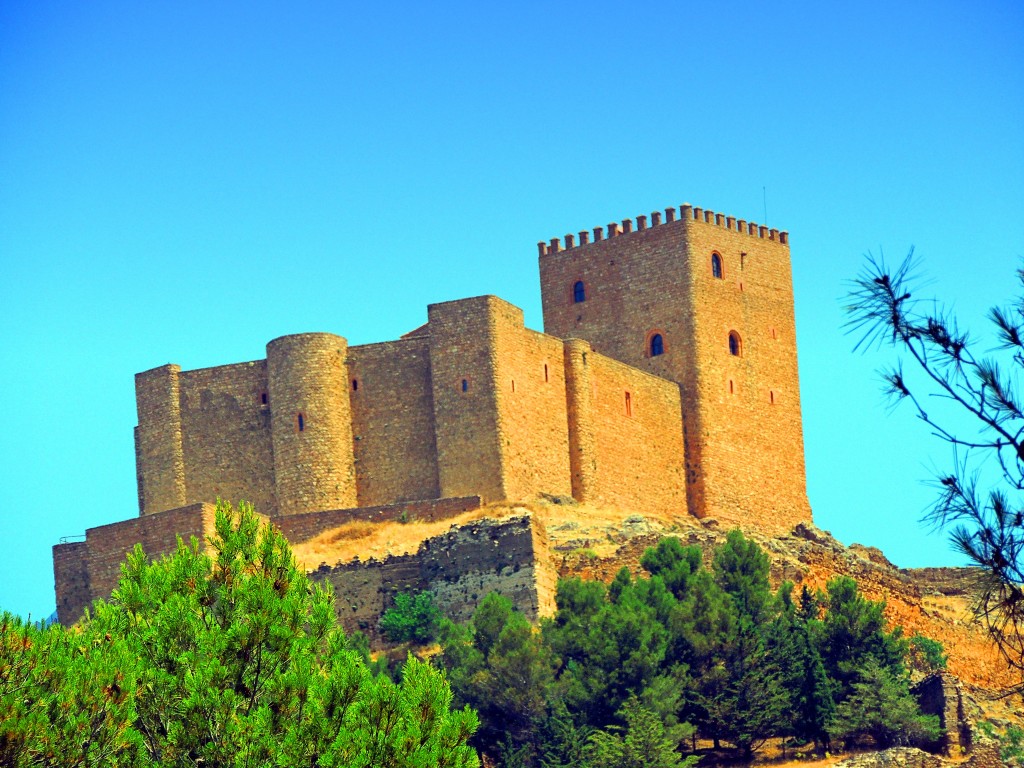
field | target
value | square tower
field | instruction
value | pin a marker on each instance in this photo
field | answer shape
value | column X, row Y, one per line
column 704, row 300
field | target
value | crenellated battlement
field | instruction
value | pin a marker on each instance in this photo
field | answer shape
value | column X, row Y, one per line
column 683, row 213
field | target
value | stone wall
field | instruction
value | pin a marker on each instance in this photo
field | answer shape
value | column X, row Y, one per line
column 626, row 434
column 508, row 556
column 89, row 570
column 225, row 431
column 942, row 694
column 463, row 365
column 533, row 435
column 393, row 422
column 71, row 580
column 160, row 466
column 311, row 423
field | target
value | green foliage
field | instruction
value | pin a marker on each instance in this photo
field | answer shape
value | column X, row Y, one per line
column 500, row 665
column 741, row 570
column 880, row 706
column 634, row 670
column 854, row 633
column 562, row 743
column 231, row 658
column 1012, row 746
column 414, row 617
column 1010, row 740
column 926, row 655
column 643, row 742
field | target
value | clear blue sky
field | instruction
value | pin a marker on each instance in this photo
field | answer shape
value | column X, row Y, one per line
column 182, row 182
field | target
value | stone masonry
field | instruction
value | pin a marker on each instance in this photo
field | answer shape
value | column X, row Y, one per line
column 666, row 382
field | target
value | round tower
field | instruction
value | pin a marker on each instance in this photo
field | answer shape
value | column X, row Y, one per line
column 311, row 423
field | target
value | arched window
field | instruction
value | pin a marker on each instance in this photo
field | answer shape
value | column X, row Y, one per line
column 657, row 345
column 579, row 292
column 735, row 345
column 716, row 266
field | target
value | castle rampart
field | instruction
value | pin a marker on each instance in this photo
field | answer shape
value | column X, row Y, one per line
column 666, row 382
column 686, row 211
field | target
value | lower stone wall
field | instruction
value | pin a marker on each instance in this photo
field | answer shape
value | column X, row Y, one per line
column 508, row 556
column 89, row 570
column 942, row 694
column 306, row 526
column 71, row 579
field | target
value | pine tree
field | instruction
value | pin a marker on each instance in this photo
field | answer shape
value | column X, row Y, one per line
column 230, row 658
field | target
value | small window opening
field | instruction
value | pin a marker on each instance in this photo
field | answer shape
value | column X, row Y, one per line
column 732, row 388
column 301, row 422
column 355, row 385
column 513, row 385
column 629, row 404
column 771, row 397
column 465, row 385
column 773, row 334
column 545, row 371
column 735, row 347
column 716, row 266
column 657, row 345
column 579, row 292
column 263, row 398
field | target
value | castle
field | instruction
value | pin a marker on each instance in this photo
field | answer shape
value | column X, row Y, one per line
column 665, row 380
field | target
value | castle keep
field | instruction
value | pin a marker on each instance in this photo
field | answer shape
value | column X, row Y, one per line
column 665, row 381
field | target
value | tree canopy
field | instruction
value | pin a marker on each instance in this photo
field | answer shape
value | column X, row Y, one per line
column 221, row 656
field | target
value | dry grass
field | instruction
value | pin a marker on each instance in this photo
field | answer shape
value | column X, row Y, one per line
column 371, row 540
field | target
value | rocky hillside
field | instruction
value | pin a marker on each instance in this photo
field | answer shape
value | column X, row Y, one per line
column 932, row 601
column 595, row 542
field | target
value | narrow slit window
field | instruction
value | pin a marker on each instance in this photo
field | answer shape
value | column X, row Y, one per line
column 629, row 404
column 263, row 398
column 465, row 385
column 545, row 371
column 355, row 385
column 771, row 396
column 657, row 345
column 732, row 389
column 513, row 385
column 716, row 266
column 301, row 421
column 579, row 292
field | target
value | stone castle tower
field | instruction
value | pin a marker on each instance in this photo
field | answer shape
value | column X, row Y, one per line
column 665, row 382
column 706, row 301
